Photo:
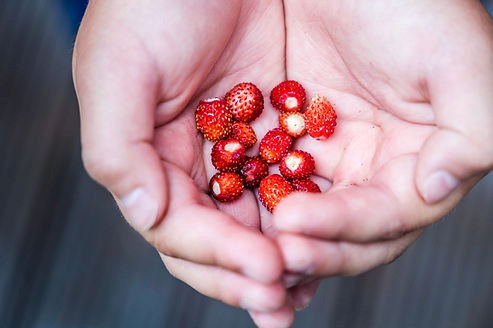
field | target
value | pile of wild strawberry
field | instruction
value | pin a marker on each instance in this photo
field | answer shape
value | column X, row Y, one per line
column 225, row 121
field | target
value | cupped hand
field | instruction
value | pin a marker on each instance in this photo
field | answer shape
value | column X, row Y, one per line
column 140, row 68
column 404, row 78
column 411, row 83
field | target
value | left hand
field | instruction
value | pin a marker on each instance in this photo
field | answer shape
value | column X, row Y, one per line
column 411, row 83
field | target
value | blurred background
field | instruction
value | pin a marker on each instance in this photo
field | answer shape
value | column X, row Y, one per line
column 67, row 258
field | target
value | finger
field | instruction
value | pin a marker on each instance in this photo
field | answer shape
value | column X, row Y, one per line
column 302, row 295
column 291, row 279
column 194, row 230
column 117, row 97
column 385, row 208
column 282, row 318
column 244, row 210
column 459, row 84
column 226, row 286
column 322, row 258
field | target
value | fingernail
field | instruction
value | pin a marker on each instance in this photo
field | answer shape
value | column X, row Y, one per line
column 140, row 209
column 290, row 279
column 438, row 186
column 302, row 301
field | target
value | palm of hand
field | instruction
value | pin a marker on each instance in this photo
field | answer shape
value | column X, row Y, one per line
column 374, row 143
column 370, row 148
column 243, row 52
column 382, row 79
column 377, row 88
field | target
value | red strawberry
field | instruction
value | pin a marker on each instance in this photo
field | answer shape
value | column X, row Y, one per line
column 245, row 101
column 253, row 171
column 305, row 185
column 228, row 155
column 288, row 96
column 293, row 123
column 297, row 164
column 244, row 133
column 213, row 118
column 320, row 118
column 226, row 186
column 274, row 145
column 272, row 190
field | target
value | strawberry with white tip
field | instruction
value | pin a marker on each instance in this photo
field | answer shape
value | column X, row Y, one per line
column 297, row 164
column 288, row 96
column 226, row 186
column 293, row 123
column 228, row 155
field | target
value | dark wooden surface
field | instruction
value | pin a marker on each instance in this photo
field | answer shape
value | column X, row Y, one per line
column 67, row 259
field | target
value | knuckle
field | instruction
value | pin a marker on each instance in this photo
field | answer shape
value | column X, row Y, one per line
column 391, row 256
column 488, row 161
column 342, row 263
column 222, row 291
column 480, row 155
column 102, row 165
column 398, row 247
column 161, row 244
column 170, row 266
column 396, row 228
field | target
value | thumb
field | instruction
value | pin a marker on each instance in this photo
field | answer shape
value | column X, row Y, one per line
column 449, row 160
column 460, row 151
column 117, row 99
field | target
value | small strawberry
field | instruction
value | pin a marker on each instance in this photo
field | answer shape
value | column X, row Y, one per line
column 245, row 101
column 244, row 133
column 274, row 145
column 226, row 186
column 272, row 190
column 320, row 118
column 305, row 185
column 213, row 118
column 228, row 155
column 288, row 96
column 297, row 164
column 293, row 123
column 253, row 171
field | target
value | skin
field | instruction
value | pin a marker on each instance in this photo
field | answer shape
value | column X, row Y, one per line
column 410, row 81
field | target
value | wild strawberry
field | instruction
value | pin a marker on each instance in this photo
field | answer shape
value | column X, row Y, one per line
column 293, row 123
column 213, row 118
column 253, row 171
column 320, row 118
column 288, row 96
column 244, row 133
column 297, row 164
column 228, row 155
column 274, row 145
column 245, row 101
column 305, row 185
column 272, row 190
column 226, row 186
